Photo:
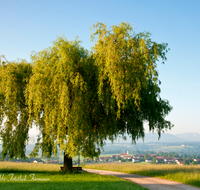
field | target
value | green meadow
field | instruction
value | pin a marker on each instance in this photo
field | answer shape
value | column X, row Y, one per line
column 28, row 176
column 185, row 174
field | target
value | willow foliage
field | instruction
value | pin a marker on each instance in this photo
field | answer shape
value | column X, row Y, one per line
column 126, row 61
column 128, row 78
column 78, row 99
column 13, row 109
column 63, row 100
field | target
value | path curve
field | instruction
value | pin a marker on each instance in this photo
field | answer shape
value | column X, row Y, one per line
column 151, row 183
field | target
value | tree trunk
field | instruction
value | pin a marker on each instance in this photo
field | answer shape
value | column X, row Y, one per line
column 67, row 163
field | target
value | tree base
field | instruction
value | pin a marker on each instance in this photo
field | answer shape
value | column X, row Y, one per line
column 67, row 163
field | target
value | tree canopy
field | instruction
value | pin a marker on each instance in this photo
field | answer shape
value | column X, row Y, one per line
column 79, row 98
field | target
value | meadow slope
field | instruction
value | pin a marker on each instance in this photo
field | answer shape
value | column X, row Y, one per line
column 185, row 174
column 27, row 176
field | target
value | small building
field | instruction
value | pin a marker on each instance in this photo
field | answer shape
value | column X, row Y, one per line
column 180, row 163
column 109, row 159
column 160, row 160
column 124, row 154
column 160, row 157
column 115, row 156
column 102, row 159
column 169, row 159
column 95, row 160
column 135, row 160
column 148, row 160
column 127, row 157
column 178, row 160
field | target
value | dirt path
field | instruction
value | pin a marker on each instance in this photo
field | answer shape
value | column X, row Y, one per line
column 151, row 183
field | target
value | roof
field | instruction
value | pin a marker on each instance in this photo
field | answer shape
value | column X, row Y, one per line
column 169, row 158
column 160, row 157
column 123, row 154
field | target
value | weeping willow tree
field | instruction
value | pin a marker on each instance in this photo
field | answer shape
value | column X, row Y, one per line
column 63, row 100
column 14, row 115
column 78, row 99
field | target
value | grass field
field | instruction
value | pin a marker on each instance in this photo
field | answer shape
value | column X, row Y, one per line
column 185, row 174
column 27, row 176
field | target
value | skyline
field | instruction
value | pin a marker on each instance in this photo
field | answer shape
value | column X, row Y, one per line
column 32, row 26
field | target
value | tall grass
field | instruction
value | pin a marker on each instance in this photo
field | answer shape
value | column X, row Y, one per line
column 50, row 177
column 28, row 167
column 185, row 174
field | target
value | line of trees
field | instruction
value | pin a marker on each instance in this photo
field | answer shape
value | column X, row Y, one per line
column 79, row 98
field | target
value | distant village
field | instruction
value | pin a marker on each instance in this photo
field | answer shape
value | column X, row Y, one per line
column 123, row 157
column 148, row 158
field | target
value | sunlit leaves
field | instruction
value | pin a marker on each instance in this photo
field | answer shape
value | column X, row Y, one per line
column 13, row 109
column 78, row 99
column 126, row 61
column 59, row 93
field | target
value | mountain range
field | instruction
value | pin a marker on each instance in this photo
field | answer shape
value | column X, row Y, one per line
column 165, row 137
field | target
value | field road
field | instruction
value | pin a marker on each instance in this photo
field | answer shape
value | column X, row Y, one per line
column 151, row 183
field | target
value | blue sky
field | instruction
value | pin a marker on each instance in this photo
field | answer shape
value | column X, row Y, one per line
column 31, row 25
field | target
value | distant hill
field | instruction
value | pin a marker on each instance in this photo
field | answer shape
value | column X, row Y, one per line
column 149, row 138
column 189, row 136
column 153, row 137
column 165, row 137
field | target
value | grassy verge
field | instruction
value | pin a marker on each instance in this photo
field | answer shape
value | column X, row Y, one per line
column 24, row 176
column 184, row 174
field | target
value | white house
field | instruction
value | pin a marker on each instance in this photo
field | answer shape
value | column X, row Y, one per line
column 110, row 159
column 135, row 160
column 101, row 159
column 127, row 157
column 148, row 160
column 169, row 159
